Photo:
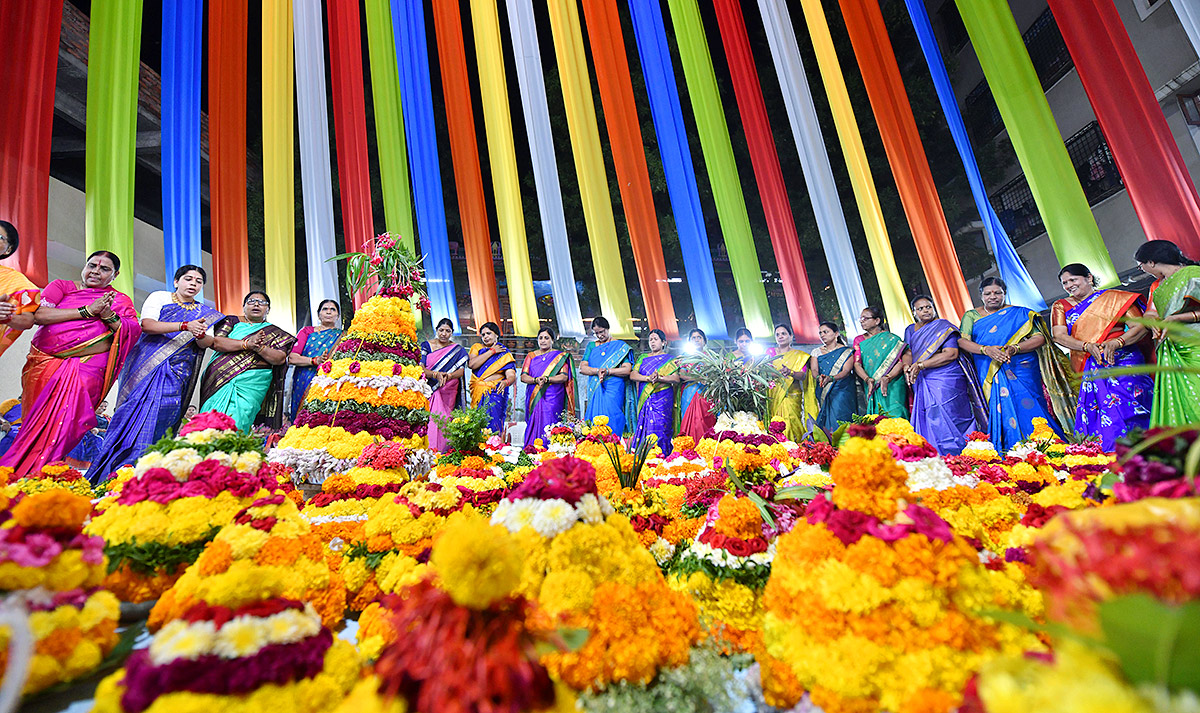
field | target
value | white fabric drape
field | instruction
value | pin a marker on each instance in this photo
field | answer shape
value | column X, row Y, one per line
column 818, row 173
column 315, row 178
column 523, row 29
column 1189, row 16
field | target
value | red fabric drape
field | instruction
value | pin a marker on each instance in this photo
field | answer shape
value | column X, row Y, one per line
column 910, row 167
column 31, row 32
column 464, row 152
column 1146, row 154
column 629, row 158
column 350, row 125
column 763, row 155
column 227, row 30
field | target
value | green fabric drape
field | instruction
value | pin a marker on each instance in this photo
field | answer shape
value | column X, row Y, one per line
column 389, row 123
column 1052, row 179
column 114, row 43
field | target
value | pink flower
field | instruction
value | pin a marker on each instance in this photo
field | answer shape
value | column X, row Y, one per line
column 38, row 550
column 424, row 304
column 197, row 489
column 929, row 524
column 207, row 420
column 377, row 260
column 355, row 367
column 327, row 367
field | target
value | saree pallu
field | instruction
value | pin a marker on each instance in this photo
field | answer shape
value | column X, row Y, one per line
column 156, row 386
column 838, row 398
column 1107, row 407
column 60, row 392
column 316, row 342
column 489, row 393
column 608, row 397
column 696, row 417
column 1177, row 393
column 23, row 295
column 242, row 384
column 655, row 402
column 545, row 405
column 443, row 400
column 947, row 401
column 879, row 355
column 1015, row 391
column 794, row 399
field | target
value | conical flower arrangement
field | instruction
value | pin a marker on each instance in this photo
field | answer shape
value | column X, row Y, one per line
column 374, row 387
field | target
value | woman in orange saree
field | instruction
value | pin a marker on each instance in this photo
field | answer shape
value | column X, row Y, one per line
column 86, row 331
column 18, row 296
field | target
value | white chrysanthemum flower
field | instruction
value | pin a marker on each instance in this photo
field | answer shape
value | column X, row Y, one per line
column 179, row 639
column 241, row 637
column 521, row 513
column 663, row 551
column 247, row 462
column 588, row 509
column 180, row 462
column 501, row 512
column 152, row 459
column 928, row 473
column 221, row 457
column 292, row 625
column 553, row 517
column 606, row 507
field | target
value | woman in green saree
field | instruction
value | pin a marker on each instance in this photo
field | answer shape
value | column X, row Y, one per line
column 877, row 362
column 1174, row 297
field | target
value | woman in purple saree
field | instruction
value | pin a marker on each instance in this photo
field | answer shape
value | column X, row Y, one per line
column 656, row 375
column 444, row 363
column 947, row 401
column 160, row 373
column 550, row 390
column 86, row 331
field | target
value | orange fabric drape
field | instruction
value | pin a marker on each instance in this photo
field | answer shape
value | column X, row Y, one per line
column 227, row 47
column 910, row 167
column 464, row 153
column 629, row 158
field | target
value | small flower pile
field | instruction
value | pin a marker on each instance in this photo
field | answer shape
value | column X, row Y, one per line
column 563, row 437
column 254, row 653
column 52, row 476
column 157, row 517
column 373, row 387
column 810, row 467
column 1156, row 467
column 54, row 570
column 870, row 602
column 553, row 498
column 980, row 447
column 926, row 469
column 267, row 551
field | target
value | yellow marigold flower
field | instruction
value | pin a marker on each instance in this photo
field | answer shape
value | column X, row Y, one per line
column 477, row 564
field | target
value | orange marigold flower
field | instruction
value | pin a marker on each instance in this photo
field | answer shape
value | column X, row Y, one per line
column 215, row 559
column 279, row 551
column 338, row 483
column 53, row 509
column 379, row 543
column 60, row 643
column 738, row 517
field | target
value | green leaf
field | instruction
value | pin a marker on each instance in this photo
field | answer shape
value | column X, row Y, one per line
column 796, row 492
column 1156, row 643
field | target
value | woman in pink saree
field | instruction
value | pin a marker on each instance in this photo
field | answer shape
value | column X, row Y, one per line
column 86, row 329
column 444, row 362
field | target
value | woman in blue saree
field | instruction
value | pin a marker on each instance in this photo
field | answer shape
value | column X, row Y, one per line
column 1015, row 358
column 837, row 391
column 493, row 371
column 550, row 390
column 444, row 363
column 160, row 373
column 656, row 375
column 313, row 346
column 947, row 401
column 607, row 366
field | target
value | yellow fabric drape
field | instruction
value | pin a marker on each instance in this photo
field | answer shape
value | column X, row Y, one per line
column 589, row 165
column 895, row 304
column 502, row 155
column 279, row 202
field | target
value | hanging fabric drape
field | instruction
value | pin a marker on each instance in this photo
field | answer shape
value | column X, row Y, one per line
column 502, row 156
column 1188, row 12
column 1133, row 123
column 764, row 158
column 227, row 28
column 315, row 180
column 389, row 124
column 659, row 75
column 1021, row 288
column 814, row 159
column 721, row 165
column 26, row 122
column 906, row 155
column 629, row 159
column 464, row 155
column 182, row 53
column 895, row 304
column 589, row 165
column 526, row 49
column 412, row 64
column 350, row 121
column 1035, row 138
column 279, row 203
column 114, row 40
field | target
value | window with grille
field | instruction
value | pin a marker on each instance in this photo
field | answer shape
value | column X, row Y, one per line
column 981, row 114
column 1145, row 7
column 954, row 32
column 1047, row 49
column 1190, row 104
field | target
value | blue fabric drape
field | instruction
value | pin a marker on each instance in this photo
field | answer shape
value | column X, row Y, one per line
column 1021, row 288
column 651, row 34
column 182, row 25
column 416, row 100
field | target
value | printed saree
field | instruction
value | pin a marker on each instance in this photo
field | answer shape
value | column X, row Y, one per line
column 947, row 401
column 487, row 385
column 242, row 384
column 794, row 398
column 545, row 404
column 61, row 390
column 155, row 388
column 444, row 400
column 879, row 355
column 1177, row 393
column 310, row 342
column 655, row 401
column 838, row 397
column 607, row 397
column 23, row 295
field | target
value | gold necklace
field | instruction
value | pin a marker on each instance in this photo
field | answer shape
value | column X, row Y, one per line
column 186, row 305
